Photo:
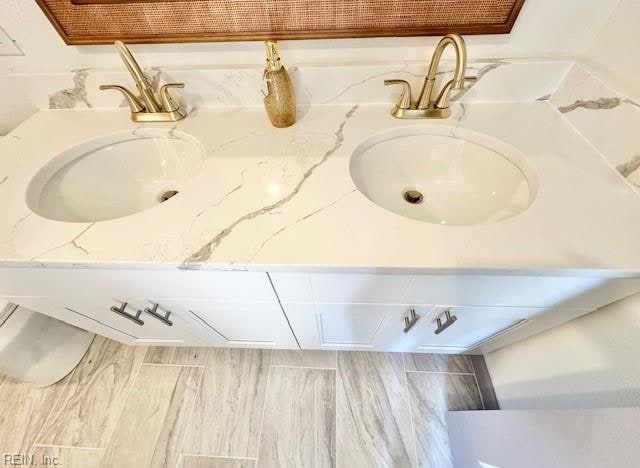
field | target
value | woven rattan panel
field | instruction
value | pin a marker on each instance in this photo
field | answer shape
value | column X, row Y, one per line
column 193, row 20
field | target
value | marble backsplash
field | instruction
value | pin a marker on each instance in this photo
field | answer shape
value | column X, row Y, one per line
column 608, row 119
column 499, row 80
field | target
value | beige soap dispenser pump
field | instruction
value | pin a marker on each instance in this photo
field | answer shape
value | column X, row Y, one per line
column 280, row 98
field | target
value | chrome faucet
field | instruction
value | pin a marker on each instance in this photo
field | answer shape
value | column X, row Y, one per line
column 426, row 107
column 148, row 106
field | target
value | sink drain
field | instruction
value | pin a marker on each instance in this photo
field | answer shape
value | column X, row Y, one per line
column 168, row 194
column 413, row 196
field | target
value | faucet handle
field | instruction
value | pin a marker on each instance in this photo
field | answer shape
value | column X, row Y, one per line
column 459, row 85
column 405, row 97
column 134, row 103
column 168, row 103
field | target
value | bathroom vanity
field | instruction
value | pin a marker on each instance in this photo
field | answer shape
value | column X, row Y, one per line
column 284, row 238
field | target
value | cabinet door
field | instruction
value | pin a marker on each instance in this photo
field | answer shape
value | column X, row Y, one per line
column 465, row 329
column 349, row 326
column 97, row 316
column 237, row 324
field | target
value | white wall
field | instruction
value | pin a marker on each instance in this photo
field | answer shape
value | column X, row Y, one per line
column 544, row 28
column 593, row 361
column 602, row 438
column 614, row 53
column 590, row 362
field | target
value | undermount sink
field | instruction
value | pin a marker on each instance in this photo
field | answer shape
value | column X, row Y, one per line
column 444, row 175
column 115, row 175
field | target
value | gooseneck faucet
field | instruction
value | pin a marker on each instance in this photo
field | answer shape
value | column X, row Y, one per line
column 426, row 107
column 147, row 107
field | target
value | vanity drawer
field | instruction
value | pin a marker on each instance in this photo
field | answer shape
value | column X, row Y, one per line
column 236, row 324
column 463, row 328
column 133, row 326
column 367, row 327
column 463, row 290
column 104, row 283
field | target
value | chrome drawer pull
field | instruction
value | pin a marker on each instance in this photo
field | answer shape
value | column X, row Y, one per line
column 163, row 318
column 451, row 319
column 410, row 322
column 121, row 311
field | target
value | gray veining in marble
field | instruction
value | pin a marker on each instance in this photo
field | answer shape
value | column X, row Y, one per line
column 4, row 179
column 298, row 221
column 373, row 418
column 630, row 166
column 299, row 428
column 70, row 97
column 73, row 242
column 603, row 103
column 234, row 189
column 544, row 98
column 403, row 69
column 17, row 223
column 431, row 396
column 495, row 63
column 454, row 363
column 205, row 252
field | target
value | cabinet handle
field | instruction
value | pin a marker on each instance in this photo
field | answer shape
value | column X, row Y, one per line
column 121, row 311
column 451, row 319
column 409, row 322
column 163, row 318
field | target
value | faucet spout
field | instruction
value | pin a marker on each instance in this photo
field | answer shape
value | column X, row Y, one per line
column 149, row 106
column 458, row 77
column 145, row 88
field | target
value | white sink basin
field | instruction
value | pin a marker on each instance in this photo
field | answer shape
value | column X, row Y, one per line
column 115, row 175
column 444, row 175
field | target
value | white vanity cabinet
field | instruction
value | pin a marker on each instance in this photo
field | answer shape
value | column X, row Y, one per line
column 236, row 324
column 173, row 308
column 453, row 329
column 134, row 324
column 366, row 327
column 374, row 311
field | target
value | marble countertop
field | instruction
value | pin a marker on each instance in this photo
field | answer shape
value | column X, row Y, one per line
column 283, row 200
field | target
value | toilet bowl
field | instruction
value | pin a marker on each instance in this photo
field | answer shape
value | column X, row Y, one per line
column 37, row 348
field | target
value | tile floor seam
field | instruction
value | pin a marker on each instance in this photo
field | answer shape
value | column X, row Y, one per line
column 218, row 456
column 335, row 398
column 124, row 401
column 190, row 417
column 55, row 403
column 69, row 447
column 195, row 402
column 475, row 378
column 171, row 365
column 264, row 405
column 408, row 396
column 303, row 367
column 440, row 372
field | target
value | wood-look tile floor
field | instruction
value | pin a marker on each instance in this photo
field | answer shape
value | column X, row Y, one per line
column 242, row 408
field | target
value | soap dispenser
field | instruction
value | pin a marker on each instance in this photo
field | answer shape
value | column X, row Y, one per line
column 280, row 98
